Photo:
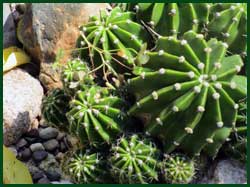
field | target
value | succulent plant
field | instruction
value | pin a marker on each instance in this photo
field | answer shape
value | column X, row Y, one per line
column 186, row 91
column 178, row 169
column 134, row 160
column 111, row 41
column 85, row 167
column 54, row 108
column 96, row 116
column 224, row 21
column 76, row 75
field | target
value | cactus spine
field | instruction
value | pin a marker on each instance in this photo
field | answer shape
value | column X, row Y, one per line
column 134, row 160
column 192, row 88
column 54, row 108
column 178, row 169
column 96, row 116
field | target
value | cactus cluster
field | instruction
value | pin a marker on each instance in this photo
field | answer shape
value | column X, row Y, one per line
column 178, row 169
column 224, row 21
column 54, row 108
column 193, row 87
column 85, row 167
column 96, row 116
column 111, row 41
column 134, row 160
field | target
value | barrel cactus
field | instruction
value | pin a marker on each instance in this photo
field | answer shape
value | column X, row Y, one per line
column 192, row 87
column 178, row 169
column 134, row 160
column 76, row 75
column 111, row 41
column 54, row 108
column 224, row 21
column 85, row 167
column 96, row 116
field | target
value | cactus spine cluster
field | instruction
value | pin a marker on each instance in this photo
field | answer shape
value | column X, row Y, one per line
column 193, row 87
column 85, row 167
column 134, row 160
column 224, row 21
column 96, row 116
column 54, row 108
column 111, row 41
column 178, row 169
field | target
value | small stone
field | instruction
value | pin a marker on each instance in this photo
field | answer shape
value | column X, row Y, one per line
column 48, row 133
column 39, row 155
column 51, row 145
column 36, row 147
column 25, row 154
column 33, row 133
column 37, row 175
column 59, row 156
column 21, row 143
column 53, row 175
column 43, row 180
column 31, row 140
column 60, row 136
column 49, row 163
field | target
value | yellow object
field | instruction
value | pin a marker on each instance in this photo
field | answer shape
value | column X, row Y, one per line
column 13, row 57
column 14, row 171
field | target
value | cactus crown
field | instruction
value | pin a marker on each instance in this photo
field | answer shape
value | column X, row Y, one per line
column 192, row 86
column 96, row 116
column 85, row 167
column 54, row 107
column 178, row 169
column 76, row 75
column 111, row 41
column 134, row 160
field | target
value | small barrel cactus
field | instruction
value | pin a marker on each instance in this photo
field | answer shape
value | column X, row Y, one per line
column 178, row 169
column 111, row 41
column 192, row 87
column 224, row 21
column 85, row 167
column 54, row 108
column 134, row 160
column 76, row 75
column 96, row 116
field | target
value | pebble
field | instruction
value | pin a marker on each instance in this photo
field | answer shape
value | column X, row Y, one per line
column 60, row 136
column 31, row 140
column 33, row 133
column 21, row 143
column 59, row 156
column 51, row 145
column 39, row 155
column 53, row 175
column 36, row 147
column 44, row 180
column 25, row 154
column 37, row 175
column 48, row 133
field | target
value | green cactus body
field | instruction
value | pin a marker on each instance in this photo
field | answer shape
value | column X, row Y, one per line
column 134, row 160
column 224, row 21
column 54, row 108
column 112, row 40
column 187, row 91
column 85, row 167
column 76, row 75
column 96, row 116
column 178, row 169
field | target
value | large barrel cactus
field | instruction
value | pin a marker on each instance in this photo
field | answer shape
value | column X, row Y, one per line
column 54, row 107
column 224, row 21
column 112, row 40
column 187, row 92
column 96, row 116
column 134, row 160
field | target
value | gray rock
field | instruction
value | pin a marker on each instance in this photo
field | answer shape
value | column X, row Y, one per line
column 53, row 175
column 226, row 172
column 48, row 27
column 22, row 98
column 25, row 154
column 21, row 143
column 48, row 133
column 36, row 147
column 39, row 155
column 37, row 175
column 49, row 163
column 60, row 136
column 43, row 180
column 51, row 145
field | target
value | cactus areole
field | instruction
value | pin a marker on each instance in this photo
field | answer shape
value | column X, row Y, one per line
column 187, row 91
